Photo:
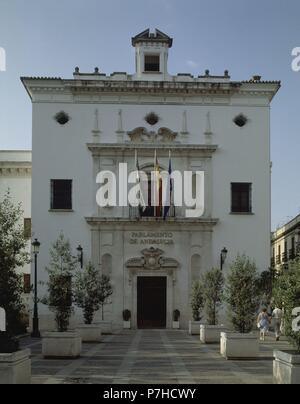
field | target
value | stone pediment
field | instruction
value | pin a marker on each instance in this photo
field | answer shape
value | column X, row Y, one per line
column 152, row 259
column 142, row 135
column 156, row 36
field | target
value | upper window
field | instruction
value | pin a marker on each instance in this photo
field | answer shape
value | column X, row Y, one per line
column 152, row 63
column 241, row 198
column 61, row 194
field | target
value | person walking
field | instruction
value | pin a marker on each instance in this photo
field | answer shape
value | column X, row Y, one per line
column 263, row 323
column 277, row 316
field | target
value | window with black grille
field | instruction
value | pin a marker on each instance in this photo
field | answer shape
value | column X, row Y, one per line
column 27, row 228
column 27, row 283
column 61, row 194
column 241, row 198
column 152, row 63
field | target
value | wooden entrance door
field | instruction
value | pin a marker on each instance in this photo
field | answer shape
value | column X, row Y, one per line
column 152, row 302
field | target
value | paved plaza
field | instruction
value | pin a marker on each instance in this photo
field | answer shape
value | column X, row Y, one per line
column 152, row 356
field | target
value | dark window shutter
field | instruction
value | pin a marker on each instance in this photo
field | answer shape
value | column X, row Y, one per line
column 241, row 198
column 61, row 194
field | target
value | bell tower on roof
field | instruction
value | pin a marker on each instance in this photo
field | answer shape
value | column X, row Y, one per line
column 151, row 53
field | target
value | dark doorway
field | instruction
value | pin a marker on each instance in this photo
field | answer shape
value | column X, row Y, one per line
column 152, row 302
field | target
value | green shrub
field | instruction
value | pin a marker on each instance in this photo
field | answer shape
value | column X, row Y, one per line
column 286, row 294
column 213, row 288
column 197, row 300
column 241, row 294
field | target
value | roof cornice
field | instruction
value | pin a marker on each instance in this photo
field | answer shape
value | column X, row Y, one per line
column 40, row 85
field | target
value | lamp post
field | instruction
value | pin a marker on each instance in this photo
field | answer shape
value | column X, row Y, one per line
column 35, row 323
column 223, row 256
column 80, row 255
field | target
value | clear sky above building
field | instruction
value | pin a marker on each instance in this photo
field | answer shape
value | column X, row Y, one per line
column 43, row 38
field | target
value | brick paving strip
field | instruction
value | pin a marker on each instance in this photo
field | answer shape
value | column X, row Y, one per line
column 181, row 372
column 124, row 372
column 239, row 374
column 68, row 370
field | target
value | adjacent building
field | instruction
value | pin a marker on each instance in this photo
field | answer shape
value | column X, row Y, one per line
column 94, row 122
column 15, row 177
column 285, row 244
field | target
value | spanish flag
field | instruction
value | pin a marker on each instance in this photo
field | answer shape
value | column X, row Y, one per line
column 138, row 180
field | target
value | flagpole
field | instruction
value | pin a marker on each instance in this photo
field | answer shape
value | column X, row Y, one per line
column 155, row 179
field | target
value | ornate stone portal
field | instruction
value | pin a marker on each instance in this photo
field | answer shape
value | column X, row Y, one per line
column 152, row 263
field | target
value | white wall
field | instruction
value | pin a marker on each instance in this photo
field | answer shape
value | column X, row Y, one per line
column 243, row 156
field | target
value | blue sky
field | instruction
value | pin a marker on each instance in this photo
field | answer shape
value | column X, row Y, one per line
column 50, row 38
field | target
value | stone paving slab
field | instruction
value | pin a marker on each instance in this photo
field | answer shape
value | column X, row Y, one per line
column 152, row 356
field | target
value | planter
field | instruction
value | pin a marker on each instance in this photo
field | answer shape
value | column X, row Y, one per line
column 126, row 325
column 176, row 325
column 15, row 368
column 194, row 327
column 106, row 326
column 211, row 334
column 90, row 332
column 239, row 346
column 286, row 368
column 61, row 345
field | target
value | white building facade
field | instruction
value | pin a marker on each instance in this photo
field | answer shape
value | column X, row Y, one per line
column 94, row 122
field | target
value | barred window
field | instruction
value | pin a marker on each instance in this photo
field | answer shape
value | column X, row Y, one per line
column 27, row 283
column 152, row 63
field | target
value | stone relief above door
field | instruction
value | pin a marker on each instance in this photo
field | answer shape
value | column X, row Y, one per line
column 152, row 259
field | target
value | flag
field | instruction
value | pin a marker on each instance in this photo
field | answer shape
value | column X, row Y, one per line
column 169, row 188
column 138, row 180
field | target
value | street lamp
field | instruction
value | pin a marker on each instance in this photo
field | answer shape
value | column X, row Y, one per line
column 35, row 323
column 223, row 256
column 80, row 255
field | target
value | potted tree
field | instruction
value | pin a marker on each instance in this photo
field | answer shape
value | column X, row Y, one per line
column 61, row 343
column 213, row 289
column 126, row 319
column 286, row 365
column 87, row 296
column 197, row 304
column 15, row 364
column 243, row 303
column 105, row 292
column 176, row 317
